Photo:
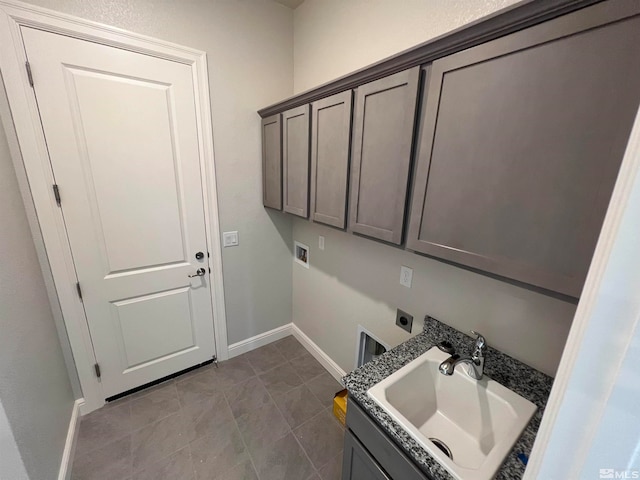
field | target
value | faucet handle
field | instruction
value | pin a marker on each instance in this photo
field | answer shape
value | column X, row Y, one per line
column 481, row 343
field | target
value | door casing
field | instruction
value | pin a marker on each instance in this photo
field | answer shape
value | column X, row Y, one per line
column 35, row 162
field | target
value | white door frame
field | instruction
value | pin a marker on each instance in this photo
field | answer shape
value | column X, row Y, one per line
column 35, row 161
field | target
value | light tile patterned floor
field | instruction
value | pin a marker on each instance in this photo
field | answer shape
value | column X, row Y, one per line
column 265, row 415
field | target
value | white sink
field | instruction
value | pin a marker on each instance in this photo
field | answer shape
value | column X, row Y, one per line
column 478, row 420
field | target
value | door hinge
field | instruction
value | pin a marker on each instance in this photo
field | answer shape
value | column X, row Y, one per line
column 96, row 367
column 56, row 194
column 29, row 74
column 79, row 290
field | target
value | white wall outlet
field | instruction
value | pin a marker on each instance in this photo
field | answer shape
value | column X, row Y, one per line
column 321, row 242
column 230, row 239
column 406, row 276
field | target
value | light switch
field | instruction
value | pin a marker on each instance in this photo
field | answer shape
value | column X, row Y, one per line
column 321, row 242
column 230, row 239
column 406, row 275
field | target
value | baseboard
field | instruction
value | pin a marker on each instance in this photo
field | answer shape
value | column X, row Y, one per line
column 258, row 341
column 70, row 444
column 266, row 338
column 326, row 361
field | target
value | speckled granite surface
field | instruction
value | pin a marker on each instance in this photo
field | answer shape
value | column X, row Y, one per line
column 522, row 379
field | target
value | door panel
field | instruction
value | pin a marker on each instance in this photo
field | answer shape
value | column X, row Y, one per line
column 295, row 159
column 123, row 141
column 150, row 327
column 532, row 144
column 385, row 114
column 330, row 140
column 114, row 175
column 272, row 162
column 357, row 463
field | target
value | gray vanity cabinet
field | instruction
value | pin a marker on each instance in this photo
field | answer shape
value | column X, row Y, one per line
column 369, row 453
column 330, row 142
column 385, row 112
column 358, row 464
column 272, row 162
column 295, row 160
column 520, row 142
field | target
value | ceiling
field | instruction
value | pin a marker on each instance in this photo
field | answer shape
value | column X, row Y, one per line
column 290, row 3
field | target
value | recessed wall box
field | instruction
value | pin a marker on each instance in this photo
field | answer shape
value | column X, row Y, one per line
column 301, row 254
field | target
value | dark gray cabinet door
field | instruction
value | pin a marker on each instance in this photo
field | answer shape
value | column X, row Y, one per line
column 385, row 113
column 295, row 158
column 380, row 447
column 357, row 463
column 520, row 143
column 330, row 137
column 272, row 162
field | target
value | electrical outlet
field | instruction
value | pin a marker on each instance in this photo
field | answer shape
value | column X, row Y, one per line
column 404, row 320
column 406, row 276
column 321, row 242
column 230, row 239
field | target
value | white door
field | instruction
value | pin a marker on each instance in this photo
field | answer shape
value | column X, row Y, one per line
column 123, row 142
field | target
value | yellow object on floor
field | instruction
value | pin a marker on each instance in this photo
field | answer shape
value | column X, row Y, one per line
column 340, row 406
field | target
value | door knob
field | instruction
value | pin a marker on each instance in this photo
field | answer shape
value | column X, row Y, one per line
column 199, row 256
column 199, row 273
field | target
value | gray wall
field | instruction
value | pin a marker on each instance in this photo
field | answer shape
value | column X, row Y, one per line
column 11, row 464
column 35, row 391
column 30, row 210
column 335, row 37
column 249, row 44
column 355, row 280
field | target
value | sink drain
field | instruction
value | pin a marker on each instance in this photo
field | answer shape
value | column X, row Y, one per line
column 442, row 446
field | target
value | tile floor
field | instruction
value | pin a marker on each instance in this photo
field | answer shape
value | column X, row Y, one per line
column 265, row 415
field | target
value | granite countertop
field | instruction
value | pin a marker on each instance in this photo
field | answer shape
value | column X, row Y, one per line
column 513, row 374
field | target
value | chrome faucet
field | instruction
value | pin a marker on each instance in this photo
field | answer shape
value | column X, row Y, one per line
column 475, row 361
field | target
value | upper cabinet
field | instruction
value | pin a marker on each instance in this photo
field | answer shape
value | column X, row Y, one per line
column 330, row 142
column 272, row 162
column 520, row 143
column 295, row 158
column 385, row 112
